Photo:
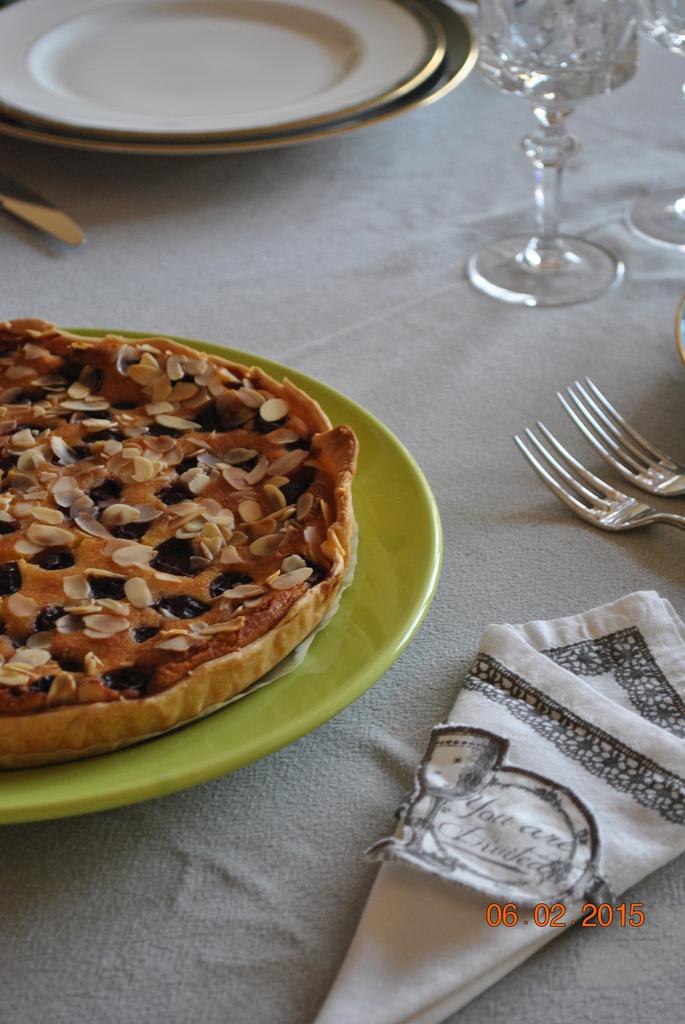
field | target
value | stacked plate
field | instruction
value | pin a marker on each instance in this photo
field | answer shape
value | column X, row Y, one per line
column 220, row 76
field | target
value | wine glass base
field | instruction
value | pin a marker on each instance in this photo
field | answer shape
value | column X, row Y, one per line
column 660, row 217
column 587, row 270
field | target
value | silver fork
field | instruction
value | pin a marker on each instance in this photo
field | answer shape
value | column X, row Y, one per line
column 619, row 444
column 592, row 499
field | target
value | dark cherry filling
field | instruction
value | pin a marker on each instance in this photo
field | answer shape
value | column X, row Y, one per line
column 131, row 678
column 71, row 665
column 125, row 405
column 71, row 371
column 109, row 587
column 156, row 430
column 10, row 578
column 144, row 633
column 292, row 491
column 181, row 606
column 189, row 463
column 130, row 531
column 227, row 580
column 261, row 426
column 54, row 558
column 318, row 574
column 303, row 444
column 208, row 418
column 108, row 434
column 6, row 527
column 7, row 463
column 173, row 556
column 48, row 617
column 174, row 493
column 41, row 685
column 105, row 493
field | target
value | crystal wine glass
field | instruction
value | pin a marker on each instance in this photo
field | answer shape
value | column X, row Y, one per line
column 660, row 216
column 554, row 53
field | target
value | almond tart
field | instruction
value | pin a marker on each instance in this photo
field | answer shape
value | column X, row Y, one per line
column 172, row 525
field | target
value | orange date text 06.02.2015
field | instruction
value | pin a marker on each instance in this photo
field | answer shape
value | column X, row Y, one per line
column 554, row 915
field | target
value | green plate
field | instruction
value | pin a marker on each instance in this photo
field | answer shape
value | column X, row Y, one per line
column 398, row 569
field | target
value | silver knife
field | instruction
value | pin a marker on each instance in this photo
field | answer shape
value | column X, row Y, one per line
column 39, row 212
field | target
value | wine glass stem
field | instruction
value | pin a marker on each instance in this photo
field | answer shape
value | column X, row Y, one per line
column 548, row 147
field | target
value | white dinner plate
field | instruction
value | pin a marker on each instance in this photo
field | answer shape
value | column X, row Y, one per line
column 184, row 68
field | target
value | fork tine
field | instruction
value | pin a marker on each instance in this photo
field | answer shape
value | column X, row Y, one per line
column 631, row 431
column 592, row 499
column 549, row 481
column 623, row 441
column 602, row 488
column 598, row 437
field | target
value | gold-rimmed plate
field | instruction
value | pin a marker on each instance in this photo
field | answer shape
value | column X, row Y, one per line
column 460, row 57
column 179, row 71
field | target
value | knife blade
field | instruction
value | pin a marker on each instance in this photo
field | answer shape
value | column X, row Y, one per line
column 39, row 212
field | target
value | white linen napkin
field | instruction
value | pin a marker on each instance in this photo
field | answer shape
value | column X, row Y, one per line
column 559, row 779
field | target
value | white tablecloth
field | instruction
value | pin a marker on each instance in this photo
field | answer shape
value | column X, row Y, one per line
column 235, row 902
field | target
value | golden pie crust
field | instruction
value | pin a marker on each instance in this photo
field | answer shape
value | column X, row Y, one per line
column 172, row 525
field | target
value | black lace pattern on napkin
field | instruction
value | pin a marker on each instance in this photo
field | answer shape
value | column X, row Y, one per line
column 601, row 754
column 627, row 656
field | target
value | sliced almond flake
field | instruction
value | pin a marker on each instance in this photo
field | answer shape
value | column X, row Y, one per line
column 119, row 515
column 325, row 511
column 95, row 405
column 142, row 374
column 239, row 537
column 32, row 351
column 280, row 481
column 175, row 643
column 23, row 439
column 147, row 512
column 84, row 608
column 249, row 511
column 286, row 463
column 199, row 563
column 43, row 640
column 267, row 545
column 50, row 516
column 91, row 526
column 258, row 473
column 144, row 469
column 221, row 627
column 244, row 590
column 7, row 426
column 252, row 399
column 49, row 536
column 236, row 478
column 229, row 555
column 66, row 456
column 182, row 391
column 92, row 664
column 76, row 587
column 131, row 452
column 97, row 424
column 112, row 447
column 30, row 460
column 293, row 562
column 273, row 409
column 9, row 395
column 18, row 372
column 62, row 689
column 274, row 496
column 305, row 503
column 199, row 483
column 154, row 408
column 133, row 554
column 207, row 459
column 5, row 517
column 77, row 390
column 174, row 367
column 108, row 604
column 161, row 389
column 176, row 422
column 109, row 624
column 65, row 491
column 164, row 577
column 138, row 592
column 10, row 677
column 162, row 445
column 82, row 506
column 283, row 436
column 25, row 547
column 148, row 357
column 21, row 606
column 234, row 456
column 291, row 579
column 107, row 572
column 29, row 657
